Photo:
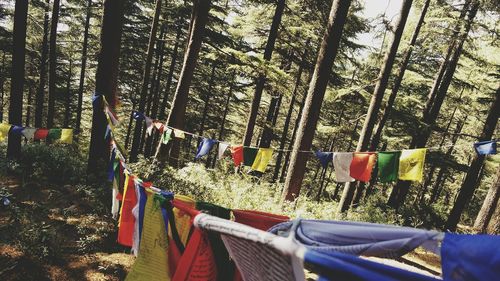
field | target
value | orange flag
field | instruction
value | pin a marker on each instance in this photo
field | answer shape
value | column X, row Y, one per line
column 362, row 165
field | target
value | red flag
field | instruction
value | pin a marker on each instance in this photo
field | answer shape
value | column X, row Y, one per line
column 362, row 165
column 41, row 134
column 237, row 152
column 127, row 219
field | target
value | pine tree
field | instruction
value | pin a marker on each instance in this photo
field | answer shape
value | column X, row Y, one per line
column 53, row 63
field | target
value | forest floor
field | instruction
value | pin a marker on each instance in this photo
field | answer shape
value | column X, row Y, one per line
column 55, row 234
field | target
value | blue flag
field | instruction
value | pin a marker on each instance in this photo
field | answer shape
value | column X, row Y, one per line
column 324, row 157
column 486, row 147
column 17, row 130
column 204, row 148
column 96, row 98
column 139, row 116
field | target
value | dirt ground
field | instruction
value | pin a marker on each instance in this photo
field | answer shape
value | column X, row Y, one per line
column 56, row 234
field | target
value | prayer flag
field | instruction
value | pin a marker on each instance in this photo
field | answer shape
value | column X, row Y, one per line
column 249, row 154
column 54, row 134
column 152, row 261
column 388, row 166
column 149, row 125
column 324, row 157
column 179, row 134
column 17, row 130
column 222, row 148
column 4, row 131
column 362, row 165
column 159, row 126
column 67, row 136
column 167, row 136
column 29, row 133
column 237, row 153
column 41, row 134
column 411, row 164
column 126, row 223
column 486, row 147
column 139, row 116
column 263, row 157
column 341, row 164
column 205, row 147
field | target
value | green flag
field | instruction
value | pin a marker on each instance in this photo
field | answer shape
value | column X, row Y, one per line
column 54, row 134
column 388, row 164
column 249, row 154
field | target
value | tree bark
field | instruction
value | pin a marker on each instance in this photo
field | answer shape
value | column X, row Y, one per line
column 30, row 95
column 53, row 63
column 2, row 91
column 106, row 81
column 399, row 78
column 207, row 100
column 288, row 117
column 39, row 100
column 171, row 70
column 145, row 82
column 315, row 95
column 377, row 97
column 431, row 112
column 469, row 185
column 67, row 112
column 17, row 76
column 79, row 107
column 177, row 114
column 489, row 205
column 261, row 80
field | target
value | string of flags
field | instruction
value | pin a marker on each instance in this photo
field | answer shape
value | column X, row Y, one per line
column 387, row 166
column 63, row 135
column 175, row 237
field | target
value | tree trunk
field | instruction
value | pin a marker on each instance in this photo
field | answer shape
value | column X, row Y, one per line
column 469, row 185
column 67, row 112
column 106, row 81
column 2, row 90
column 30, row 95
column 79, row 107
column 171, row 70
column 489, row 205
column 288, row 117
column 431, row 112
column 177, row 114
column 315, row 95
column 397, row 81
column 494, row 225
column 377, row 97
column 53, row 63
column 155, row 91
column 207, row 100
column 17, row 77
column 261, row 80
column 43, row 69
column 294, row 133
column 145, row 82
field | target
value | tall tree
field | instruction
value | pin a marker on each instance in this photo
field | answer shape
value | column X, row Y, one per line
column 435, row 101
column 17, row 82
column 106, row 80
column 176, row 117
column 305, row 133
column 489, row 206
column 261, row 80
column 377, row 97
column 470, row 183
column 67, row 110
column 53, row 63
column 83, row 68
column 43, row 68
column 145, row 82
column 399, row 78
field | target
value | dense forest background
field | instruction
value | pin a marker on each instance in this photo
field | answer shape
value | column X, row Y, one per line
column 273, row 45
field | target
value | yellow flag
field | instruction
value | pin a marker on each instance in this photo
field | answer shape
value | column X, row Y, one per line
column 411, row 164
column 179, row 134
column 4, row 131
column 152, row 261
column 183, row 220
column 125, row 187
column 262, row 159
column 67, row 136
